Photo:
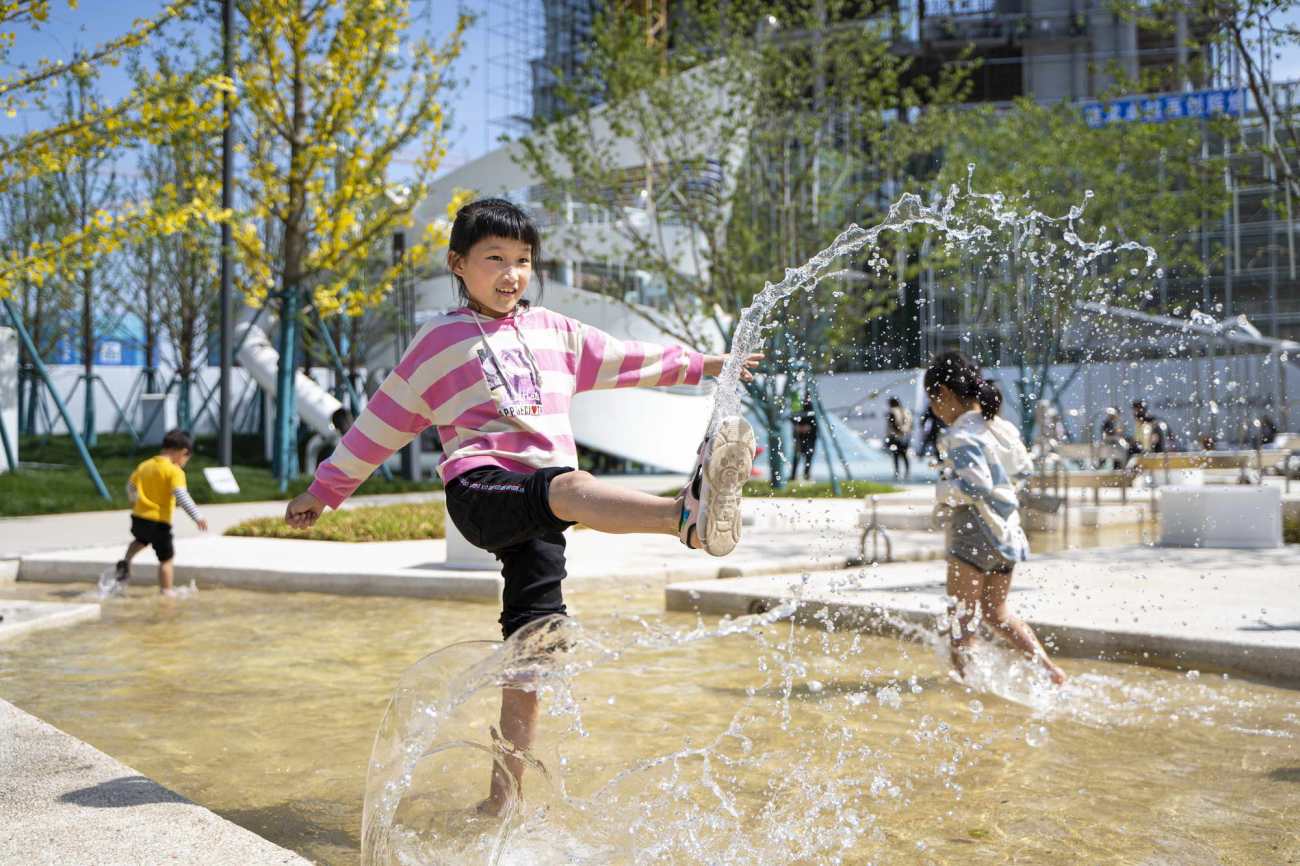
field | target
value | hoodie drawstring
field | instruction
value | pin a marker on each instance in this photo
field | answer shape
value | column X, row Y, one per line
column 534, row 369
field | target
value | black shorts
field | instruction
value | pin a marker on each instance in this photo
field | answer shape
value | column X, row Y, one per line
column 155, row 534
column 509, row 514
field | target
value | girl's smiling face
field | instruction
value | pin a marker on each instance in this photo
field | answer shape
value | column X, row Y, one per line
column 496, row 272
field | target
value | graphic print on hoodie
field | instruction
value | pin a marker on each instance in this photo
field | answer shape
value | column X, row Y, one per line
column 523, row 393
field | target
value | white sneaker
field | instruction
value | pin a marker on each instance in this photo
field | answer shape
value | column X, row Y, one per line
column 711, row 499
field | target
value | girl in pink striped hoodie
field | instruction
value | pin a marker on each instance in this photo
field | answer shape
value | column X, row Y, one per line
column 496, row 378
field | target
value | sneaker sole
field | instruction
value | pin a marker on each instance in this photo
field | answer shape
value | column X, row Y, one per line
column 725, row 473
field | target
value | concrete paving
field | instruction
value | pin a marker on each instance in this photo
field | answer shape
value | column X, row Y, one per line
column 1230, row 610
column 48, row 532
column 415, row 568
column 18, row 618
column 45, row 532
column 64, row 802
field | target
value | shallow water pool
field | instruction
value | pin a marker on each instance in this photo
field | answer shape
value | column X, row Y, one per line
column 772, row 745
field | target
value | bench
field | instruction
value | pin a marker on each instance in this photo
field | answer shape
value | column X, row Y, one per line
column 1260, row 460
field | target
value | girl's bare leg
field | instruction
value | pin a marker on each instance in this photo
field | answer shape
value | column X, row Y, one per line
column 581, row 497
column 518, row 723
column 993, row 601
column 965, row 583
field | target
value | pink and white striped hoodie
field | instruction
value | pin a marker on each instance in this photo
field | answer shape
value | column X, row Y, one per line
column 499, row 392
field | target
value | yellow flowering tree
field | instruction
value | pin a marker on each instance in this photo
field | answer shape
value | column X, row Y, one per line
column 342, row 130
column 157, row 106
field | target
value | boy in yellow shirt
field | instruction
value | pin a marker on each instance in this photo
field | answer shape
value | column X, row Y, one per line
column 155, row 487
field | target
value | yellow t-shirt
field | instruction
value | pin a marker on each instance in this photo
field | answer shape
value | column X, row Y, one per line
column 156, row 481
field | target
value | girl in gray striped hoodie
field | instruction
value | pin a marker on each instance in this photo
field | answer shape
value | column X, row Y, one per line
column 984, row 462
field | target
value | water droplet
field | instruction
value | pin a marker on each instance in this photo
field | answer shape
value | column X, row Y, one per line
column 1036, row 735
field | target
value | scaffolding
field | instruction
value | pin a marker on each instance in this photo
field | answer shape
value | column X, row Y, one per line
column 516, row 34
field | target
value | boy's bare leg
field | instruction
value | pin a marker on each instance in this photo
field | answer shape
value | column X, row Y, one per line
column 993, row 600
column 519, row 711
column 165, row 574
column 581, row 497
column 965, row 583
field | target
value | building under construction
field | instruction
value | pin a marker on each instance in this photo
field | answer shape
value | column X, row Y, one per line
column 1051, row 50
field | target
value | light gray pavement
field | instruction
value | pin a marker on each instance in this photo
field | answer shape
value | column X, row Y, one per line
column 46, row 532
column 18, row 618
column 781, row 535
column 1232, row 610
column 64, row 802
column 414, row 568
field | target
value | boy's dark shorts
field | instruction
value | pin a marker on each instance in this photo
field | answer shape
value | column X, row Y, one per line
column 509, row 514
column 155, row 534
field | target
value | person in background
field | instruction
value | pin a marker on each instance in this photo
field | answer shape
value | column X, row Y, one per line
column 1151, row 434
column 1263, row 432
column 155, row 488
column 931, row 429
column 1114, row 443
column 805, row 438
column 898, row 432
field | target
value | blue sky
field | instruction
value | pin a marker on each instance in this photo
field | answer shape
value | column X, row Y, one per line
column 96, row 21
column 472, row 105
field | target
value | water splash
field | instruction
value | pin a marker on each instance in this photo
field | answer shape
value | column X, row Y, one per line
column 1051, row 244
column 708, row 793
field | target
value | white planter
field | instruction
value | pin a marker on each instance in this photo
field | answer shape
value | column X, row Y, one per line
column 463, row 555
column 1248, row 516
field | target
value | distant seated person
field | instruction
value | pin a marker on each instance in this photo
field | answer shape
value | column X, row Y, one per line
column 1208, row 442
column 1151, row 434
column 1263, row 432
column 1114, row 449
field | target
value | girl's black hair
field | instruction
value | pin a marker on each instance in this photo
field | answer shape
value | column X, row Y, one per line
column 962, row 376
column 494, row 218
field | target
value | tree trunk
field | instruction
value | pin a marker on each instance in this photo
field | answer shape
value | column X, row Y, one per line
column 185, row 378
column 286, row 426
column 150, row 330
column 88, row 358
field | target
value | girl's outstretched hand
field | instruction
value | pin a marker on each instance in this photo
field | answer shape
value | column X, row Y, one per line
column 713, row 365
column 304, row 509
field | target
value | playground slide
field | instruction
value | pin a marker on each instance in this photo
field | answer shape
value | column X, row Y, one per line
column 315, row 405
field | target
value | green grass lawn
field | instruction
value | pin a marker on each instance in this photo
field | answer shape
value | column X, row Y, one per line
column 403, row 522
column 819, row 489
column 68, row 487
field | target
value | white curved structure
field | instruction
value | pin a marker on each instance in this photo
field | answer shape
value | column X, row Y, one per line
column 314, row 405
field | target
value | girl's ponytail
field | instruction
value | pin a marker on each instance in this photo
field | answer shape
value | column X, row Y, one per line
column 990, row 397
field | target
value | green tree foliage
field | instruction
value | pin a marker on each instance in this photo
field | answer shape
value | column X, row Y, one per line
column 1147, row 183
column 739, row 147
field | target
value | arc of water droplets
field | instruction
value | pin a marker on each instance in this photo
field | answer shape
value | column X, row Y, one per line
column 906, row 213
